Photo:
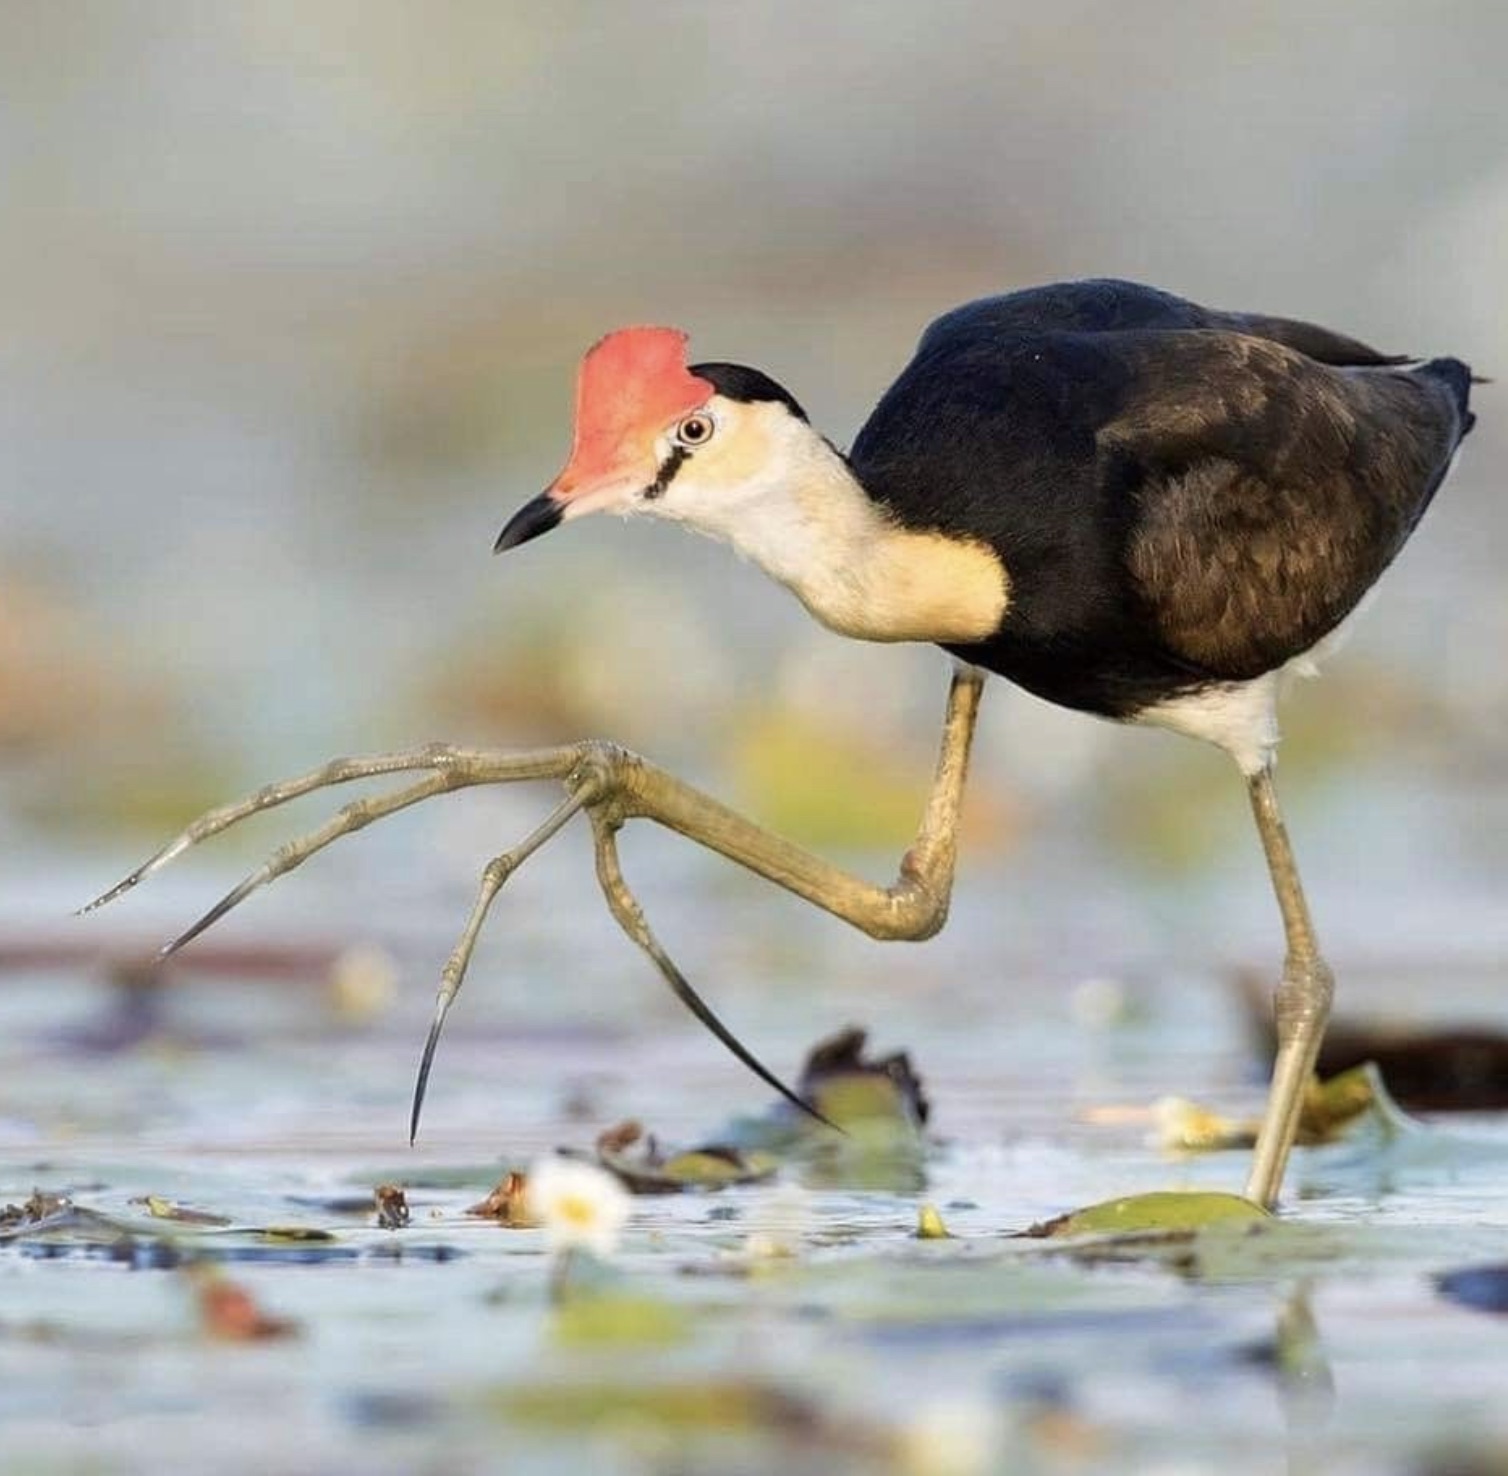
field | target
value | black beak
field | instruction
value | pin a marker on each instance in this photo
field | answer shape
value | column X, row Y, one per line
column 532, row 519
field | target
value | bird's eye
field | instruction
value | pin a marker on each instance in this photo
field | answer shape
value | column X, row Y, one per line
column 694, row 430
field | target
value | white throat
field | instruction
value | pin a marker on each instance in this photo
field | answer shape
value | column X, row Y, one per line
column 802, row 516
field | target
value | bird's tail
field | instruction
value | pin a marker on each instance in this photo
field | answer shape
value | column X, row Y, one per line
column 1458, row 379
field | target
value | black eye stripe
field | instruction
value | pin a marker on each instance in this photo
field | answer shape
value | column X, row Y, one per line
column 678, row 457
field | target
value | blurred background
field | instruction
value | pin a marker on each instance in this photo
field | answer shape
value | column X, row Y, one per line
column 293, row 299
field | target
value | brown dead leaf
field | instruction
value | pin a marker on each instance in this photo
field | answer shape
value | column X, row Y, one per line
column 507, row 1203
column 169, row 1209
column 41, row 1206
column 392, row 1206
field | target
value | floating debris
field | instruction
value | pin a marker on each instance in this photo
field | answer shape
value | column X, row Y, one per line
column 849, row 1088
column 41, row 1206
column 392, row 1206
column 169, row 1209
column 508, row 1203
column 1330, row 1111
column 651, row 1171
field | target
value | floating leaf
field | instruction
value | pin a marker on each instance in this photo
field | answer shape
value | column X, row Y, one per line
column 295, row 1235
column 508, row 1203
column 850, row 1089
column 649, row 1171
column 877, row 1101
column 929, row 1224
column 168, row 1209
column 41, row 1206
column 1331, row 1109
column 598, row 1320
column 1160, row 1210
column 719, row 1407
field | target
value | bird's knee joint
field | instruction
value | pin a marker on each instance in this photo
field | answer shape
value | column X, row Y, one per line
column 599, row 771
column 915, row 914
column 1305, row 995
column 356, row 815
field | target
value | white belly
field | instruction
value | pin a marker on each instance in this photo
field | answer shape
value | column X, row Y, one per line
column 1242, row 717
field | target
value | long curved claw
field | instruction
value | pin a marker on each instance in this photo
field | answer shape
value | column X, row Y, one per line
column 355, row 816
column 421, row 1085
column 497, row 871
column 270, row 796
column 628, row 914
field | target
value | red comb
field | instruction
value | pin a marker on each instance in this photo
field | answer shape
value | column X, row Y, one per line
column 632, row 384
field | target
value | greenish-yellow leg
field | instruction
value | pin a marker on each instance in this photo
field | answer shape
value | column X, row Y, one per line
column 615, row 786
column 1302, row 1002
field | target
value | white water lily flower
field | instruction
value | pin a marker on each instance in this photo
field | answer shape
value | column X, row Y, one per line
column 1186, row 1127
column 956, row 1436
column 581, row 1206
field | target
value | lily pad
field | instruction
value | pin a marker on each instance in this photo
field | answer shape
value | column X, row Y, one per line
column 1159, row 1210
column 718, row 1407
column 650, row 1171
column 603, row 1320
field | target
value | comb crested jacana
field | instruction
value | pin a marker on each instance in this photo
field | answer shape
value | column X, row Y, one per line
column 1124, row 502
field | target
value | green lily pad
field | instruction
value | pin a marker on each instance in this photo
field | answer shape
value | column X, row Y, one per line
column 715, row 1406
column 650, row 1171
column 1160, row 1210
column 609, row 1320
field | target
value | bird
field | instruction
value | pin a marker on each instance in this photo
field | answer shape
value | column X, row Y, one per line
column 1125, row 503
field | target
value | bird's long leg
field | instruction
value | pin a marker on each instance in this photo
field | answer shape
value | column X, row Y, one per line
column 914, row 906
column 615, row 785
column 1302, row 1002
